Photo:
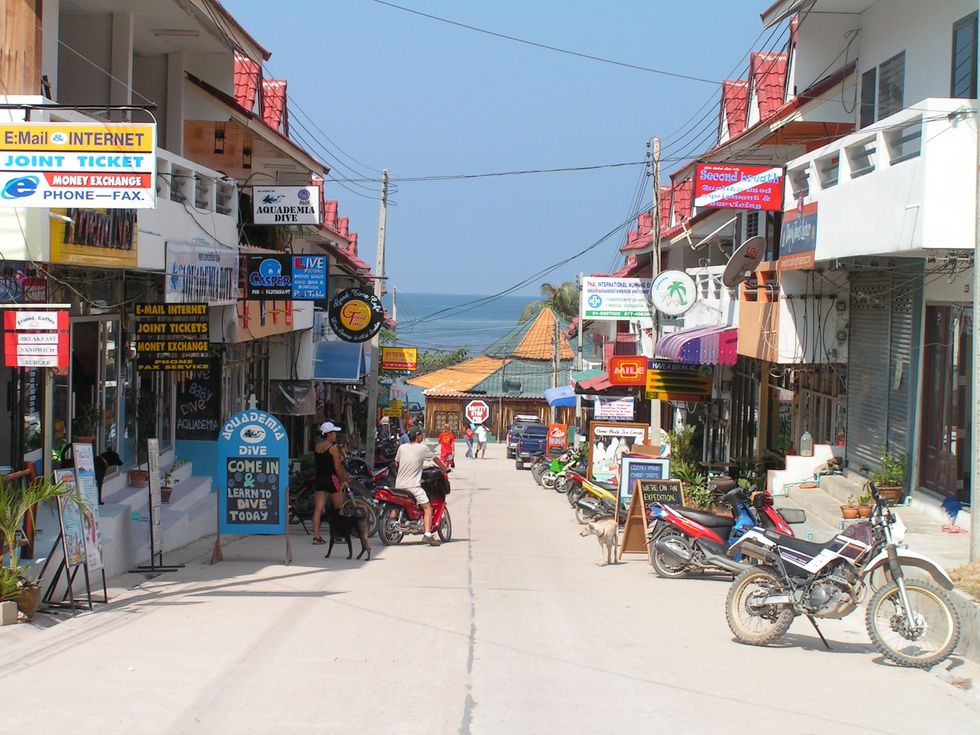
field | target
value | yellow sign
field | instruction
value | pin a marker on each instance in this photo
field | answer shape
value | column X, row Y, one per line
column 102, row 237
column 355, row 316
column 392, row 412
column 395, row 406
column 678, row 385
column 72, row 137
column 399, row 358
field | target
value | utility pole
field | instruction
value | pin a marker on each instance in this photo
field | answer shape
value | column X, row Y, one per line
column 579, row 362
column 379, row 275
column 975, row 368
column 554, row 366
column 394, row 304
column 655, row 224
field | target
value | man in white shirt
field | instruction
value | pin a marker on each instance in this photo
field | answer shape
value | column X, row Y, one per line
column 409, row 461
column 481, row 441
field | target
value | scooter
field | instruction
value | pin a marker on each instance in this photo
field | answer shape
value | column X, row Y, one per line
column 402, row 516
column 555, row 477
column 598, row 499
column 684, row 540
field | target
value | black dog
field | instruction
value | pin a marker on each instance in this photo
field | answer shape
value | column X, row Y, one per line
column 343, row 528
column 108, row 458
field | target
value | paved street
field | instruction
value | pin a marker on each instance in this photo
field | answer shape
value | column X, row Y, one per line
column 511, row 628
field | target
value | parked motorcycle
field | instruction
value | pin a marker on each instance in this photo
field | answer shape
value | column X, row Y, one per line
column 684, row 540
column 356, row 466
column 910, row 621
column 401, row 515
column 598, row 499
column 555, row 475
column 358, row 499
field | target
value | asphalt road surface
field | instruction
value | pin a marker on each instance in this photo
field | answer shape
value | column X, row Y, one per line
column 511, row 628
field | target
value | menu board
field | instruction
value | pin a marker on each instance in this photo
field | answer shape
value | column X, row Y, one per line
column 72, row 525
column 172, row 336
column 199, row 404
column 669, row 492
column 252, row 490
column 635, row 468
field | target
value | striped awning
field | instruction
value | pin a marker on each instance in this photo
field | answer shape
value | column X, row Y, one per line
column 700, row 346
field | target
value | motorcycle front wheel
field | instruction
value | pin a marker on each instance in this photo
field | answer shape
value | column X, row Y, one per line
column 662, row 564
column 574, row 493
column 538, row 469
column 548, row 479
column 932, row 634
column 752, row 621
column 386, row 526
column 445, row 529
column 561, row 484
column 583, row 516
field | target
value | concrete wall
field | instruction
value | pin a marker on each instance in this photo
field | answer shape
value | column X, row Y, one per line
column 50, row 48
column 809, row 319
column 821, row 38
column 79, row 82
column 150, row 81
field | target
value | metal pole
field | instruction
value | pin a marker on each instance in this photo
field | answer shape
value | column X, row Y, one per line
column 975, row 367
column 379, row 274
column 579, row 363
column 554, row 366
column 655, row 223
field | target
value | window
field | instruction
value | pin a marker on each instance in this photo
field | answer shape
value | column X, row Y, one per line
column 868, row 80
column 891, row 86
column 751, row 224
column 963, row 78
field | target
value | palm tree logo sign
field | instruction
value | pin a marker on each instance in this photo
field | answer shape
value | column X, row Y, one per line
column 673, row 292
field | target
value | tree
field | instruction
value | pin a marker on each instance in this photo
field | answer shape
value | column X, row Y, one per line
column 562, row 300
column 438, row 359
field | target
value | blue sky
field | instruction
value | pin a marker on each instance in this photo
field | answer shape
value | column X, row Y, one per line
column 424, row 98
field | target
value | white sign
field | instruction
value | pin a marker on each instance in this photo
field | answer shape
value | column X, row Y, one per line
column 36, row 320
column 89, row 489
column 612, row 299
column 156, row 498
column 673, row 293
column 614, row 409
column 476, row 412
column 81, row 165
column 200, row 274
column 286, row 205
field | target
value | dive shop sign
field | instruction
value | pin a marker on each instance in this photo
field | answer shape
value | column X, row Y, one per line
column 253, row 478
column 286, row 205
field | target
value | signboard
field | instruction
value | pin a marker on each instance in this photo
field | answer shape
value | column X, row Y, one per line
column 283, row 277
column 557, row 437
column 611, row 299
column 101, row 165
column 286, row 205
column 733, row 186
column 614, row 409
column 72, row 525
column 355, row 315
column 36, row 338
column 199, row 404
column 608, row 443
column 399, row 358
column 798, row 238
column 673, row 293
column 660, row 491
column 676, row 382
column 628, row 369
column 99, row 237
column 89, row 490
column 198, row 273
column 477, row 411
column 172, row 337
column 156, row 499
column 638, row 468
column 252, row 474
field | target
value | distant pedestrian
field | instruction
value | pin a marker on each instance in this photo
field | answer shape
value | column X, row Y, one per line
column 469, row 442
column 447, row 446
column 481, row 441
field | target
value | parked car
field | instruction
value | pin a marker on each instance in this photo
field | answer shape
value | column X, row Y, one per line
column 513, row 432
column 533, row 443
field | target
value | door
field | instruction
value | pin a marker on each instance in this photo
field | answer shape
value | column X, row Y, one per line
column 92, row 406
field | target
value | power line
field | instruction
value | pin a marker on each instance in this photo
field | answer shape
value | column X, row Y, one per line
column 490, row 174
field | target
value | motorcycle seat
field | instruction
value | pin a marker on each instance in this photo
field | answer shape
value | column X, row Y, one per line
column 402, row 493
column 796, row 544
column 611, row 486
column 706, row 519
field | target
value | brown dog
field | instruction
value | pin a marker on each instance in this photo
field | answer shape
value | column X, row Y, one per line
column 608, row 533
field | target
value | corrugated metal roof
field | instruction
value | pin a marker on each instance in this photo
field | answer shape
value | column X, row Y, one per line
column 539, row 340
column 460, row 377
column 534, row 377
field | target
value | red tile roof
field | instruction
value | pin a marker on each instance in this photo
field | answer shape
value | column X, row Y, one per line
column 683, row 195
column 664, row 206
column 247, row 76
column 642, row 236
column 767, row 71
column 342, row 225
column 330, row 213
column 274, row 104
column 231, row 19
column 735, row 104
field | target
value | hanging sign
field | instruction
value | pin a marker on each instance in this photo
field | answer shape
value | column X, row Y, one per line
column 798, row 238
column 172, row 337
column 608, row 442
column 283, row 277
column 89, row 489
column 72, row 524
column 673, row 293
column 97, row 237
column 677, row 382
column 199, row 404
column 628, row 370
column 557, row 437
column 253, row 474
column 614, row 409
column 355, row 315
column 399, row 358
column 36, row 338
column 198, row 273
column 85, row 165
column 477, row 412
column 734, row 186
column 612, row 299
column 286, row 205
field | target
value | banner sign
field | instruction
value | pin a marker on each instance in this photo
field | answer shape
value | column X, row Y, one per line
column 156, row 496
column 635, row 469
column 611, row 299
column 798, row 238
column 72, row 525
column 87, row 165
column 677, row 382
column 614, row 409
column 557, row 437
column 172, row 337
column 733, row 186
column 196, row 273
column 608, row 443
column 89, row 489
column 286, row 205
column 628, row 370
column 283, row 277
column 355, row 315
column 99, row 237
column 36, row 338
column 477, row 412
column 399, row 358
column 199, row 404
column 253, row 474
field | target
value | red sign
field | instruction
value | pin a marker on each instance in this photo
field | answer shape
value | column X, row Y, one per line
column 36, row 338
column 628, row 370
column 557, row 436
column 733, row 186
column 476, row 412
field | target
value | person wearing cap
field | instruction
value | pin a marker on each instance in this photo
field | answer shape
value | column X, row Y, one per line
column 331, row 476
column 409, row 462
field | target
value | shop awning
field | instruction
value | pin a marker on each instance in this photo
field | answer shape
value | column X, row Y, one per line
column 338, row 362
column 600, row 385
column 563, row 395
column 700, row 346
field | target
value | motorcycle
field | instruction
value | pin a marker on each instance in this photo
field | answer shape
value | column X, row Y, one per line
column 357, row 467
column 358, row 500
column 553, row 472
column 684, row 540
column 598, row 499
column 401, row 515
column 910, row 621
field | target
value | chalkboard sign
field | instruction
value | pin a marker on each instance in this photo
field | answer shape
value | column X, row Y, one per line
column 252, row 489
column 660, row 491
column 634, row 468
column 199, row 404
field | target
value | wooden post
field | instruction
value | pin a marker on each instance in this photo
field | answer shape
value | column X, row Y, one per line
column 20, row 47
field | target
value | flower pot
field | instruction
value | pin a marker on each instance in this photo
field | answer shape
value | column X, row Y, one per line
column 891, row 493
column 165, row 493
column 849, row 511
column 138, row 477
column 864, row 511
column 29, row 600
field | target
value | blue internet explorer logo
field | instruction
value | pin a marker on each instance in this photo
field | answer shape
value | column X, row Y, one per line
column 22, row 186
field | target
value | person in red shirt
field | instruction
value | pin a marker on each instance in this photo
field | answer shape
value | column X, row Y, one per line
column 447, row 446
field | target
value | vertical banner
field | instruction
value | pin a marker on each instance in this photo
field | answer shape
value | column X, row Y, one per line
column 253, row 476
column 199, row 404
column 153, row 469
column 72, row 525
column 89, row 489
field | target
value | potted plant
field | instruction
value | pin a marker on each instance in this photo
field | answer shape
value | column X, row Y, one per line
column 890, row 478
column 864, row 504
column 849, row 509
column 88, row 418
column 15, row 503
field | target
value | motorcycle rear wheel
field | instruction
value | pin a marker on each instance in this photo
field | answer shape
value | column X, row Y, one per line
column 662, row 566
column 935, row 617
column 574, row 493
column 756, row 625
column 548, row 479
column 561, row 484
column 583, row 516
column 445, row 529
column 386, row 531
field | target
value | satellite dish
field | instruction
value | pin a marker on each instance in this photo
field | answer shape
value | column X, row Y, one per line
column 744, row 260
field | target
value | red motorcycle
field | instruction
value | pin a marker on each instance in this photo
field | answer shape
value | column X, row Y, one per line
column 400, row 515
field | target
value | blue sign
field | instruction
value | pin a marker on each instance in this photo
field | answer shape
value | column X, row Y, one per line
column 283, row 277
column 253, row 474
column 309, row 277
